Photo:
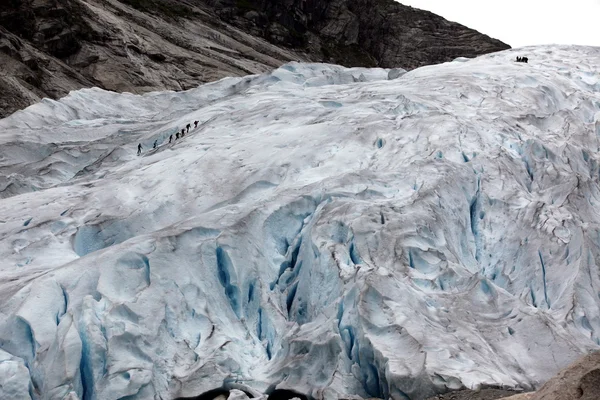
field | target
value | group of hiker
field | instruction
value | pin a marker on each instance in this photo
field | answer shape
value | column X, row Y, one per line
column 177, row 136
column 522, row 59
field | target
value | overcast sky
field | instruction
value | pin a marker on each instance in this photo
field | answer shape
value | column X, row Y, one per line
column 524, row 22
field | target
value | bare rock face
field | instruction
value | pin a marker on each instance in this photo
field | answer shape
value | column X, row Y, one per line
column 50, row 47
column 359, row 32
column 580, row 381
column 483, row 394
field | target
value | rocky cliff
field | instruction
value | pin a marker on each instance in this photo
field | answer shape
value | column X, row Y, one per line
column 580, row 381
column 49, row 47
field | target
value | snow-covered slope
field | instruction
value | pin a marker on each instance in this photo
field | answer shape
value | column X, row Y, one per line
column 324, row 230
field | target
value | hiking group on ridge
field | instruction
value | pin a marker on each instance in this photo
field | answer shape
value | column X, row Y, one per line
column 185, row 130
column 178, row 135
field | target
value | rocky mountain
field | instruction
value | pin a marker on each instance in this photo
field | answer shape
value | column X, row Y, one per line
column 580, row 380
column 50, row 47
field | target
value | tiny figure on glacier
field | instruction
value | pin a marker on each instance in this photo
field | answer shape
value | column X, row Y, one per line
column 196, row 124
column 177, row 136
column 155, row 144
column 182, row 132
column 188, row 127
column 170, row 138
column 139, row 149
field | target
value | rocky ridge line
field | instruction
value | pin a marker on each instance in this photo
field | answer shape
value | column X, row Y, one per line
column 50, row 47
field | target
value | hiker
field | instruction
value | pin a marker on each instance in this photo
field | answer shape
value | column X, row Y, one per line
column 196, row 124
column 139, row 149
column 188, row 127
column 177, row 136
column 170, row 138
column 518, row 59
column 182, row 132
column 155, row 144
column 525, row 59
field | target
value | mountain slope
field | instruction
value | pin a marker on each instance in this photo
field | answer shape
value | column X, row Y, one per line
column 323, row 230
column 49, row 47
column 581, row 380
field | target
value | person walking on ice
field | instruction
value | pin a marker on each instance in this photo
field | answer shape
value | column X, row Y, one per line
column 182, row 132
column 155, row 144
column 139, row 149
column 188, row 128
column 196, row 124
column 170, row 139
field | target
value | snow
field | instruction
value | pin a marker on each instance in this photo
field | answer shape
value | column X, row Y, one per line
column 335, row 232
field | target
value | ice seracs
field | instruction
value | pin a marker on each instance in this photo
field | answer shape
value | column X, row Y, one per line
column 334, row 232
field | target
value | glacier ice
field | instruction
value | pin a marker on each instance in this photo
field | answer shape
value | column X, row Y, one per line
column 326, row 231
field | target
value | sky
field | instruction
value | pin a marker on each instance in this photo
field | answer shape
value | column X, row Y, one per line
column 524, row 22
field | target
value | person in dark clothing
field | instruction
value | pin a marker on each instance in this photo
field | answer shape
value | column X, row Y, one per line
column 177, row 136
column 182, row 132
column 188, row 127
column 170, row 138
column 196, row 124
column 155, row 144
column 518, row 59
column 139, row 149
column 525, row 59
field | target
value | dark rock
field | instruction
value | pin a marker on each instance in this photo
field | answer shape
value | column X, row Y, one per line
column 30, row 61
column 396, row 73
column 53, row 46
column 484, row 394
column 9, row 44
column 581, row 381
column 158, row 57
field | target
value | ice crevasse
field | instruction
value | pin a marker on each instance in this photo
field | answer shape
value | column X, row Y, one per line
column 324, row 230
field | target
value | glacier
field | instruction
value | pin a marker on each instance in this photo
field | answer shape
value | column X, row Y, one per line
column 332, row 232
